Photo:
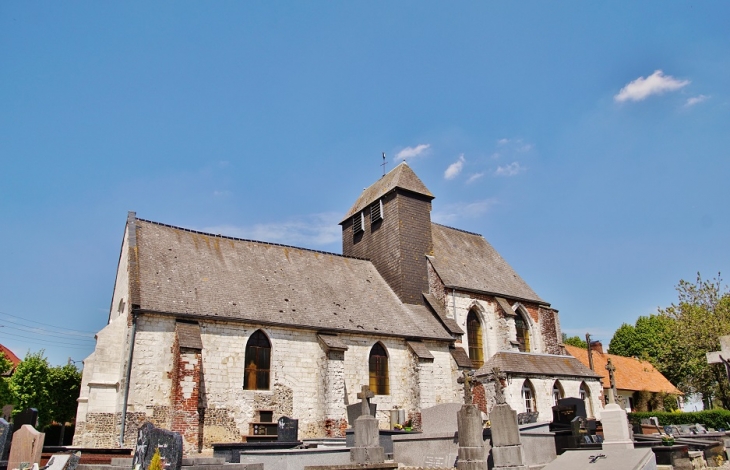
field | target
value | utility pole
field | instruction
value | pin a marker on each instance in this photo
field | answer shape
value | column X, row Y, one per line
column 590, row 351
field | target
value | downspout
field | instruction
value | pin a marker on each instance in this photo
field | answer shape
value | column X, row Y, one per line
column 129, row 375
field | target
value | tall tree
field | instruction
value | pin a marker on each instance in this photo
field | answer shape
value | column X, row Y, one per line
column 6, row 395
column 64, row 387
column 574, row 341
column 30, row 385
column 701, row 316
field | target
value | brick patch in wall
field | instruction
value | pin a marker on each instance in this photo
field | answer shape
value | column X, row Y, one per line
column 479, row 397
column 335, row 427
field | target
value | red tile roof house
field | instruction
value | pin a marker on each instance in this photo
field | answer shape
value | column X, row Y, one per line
column 632, row 376
column 209, row 334
column 9, row 355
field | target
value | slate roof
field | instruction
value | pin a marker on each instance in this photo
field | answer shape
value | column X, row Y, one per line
column 399, row 177
column 185, row 272
column 438, row 307
column 466, row 260
column 536, row 364
column 631, row 374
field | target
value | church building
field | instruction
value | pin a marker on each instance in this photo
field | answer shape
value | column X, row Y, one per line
column 208, row 335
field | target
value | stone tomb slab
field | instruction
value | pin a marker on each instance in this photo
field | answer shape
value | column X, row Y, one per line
column 27, row 446
column 150, row 438
column 594, row 459
column 440, row 418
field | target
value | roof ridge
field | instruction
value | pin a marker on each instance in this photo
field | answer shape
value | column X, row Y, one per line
column 217, row 235
column 458, row 229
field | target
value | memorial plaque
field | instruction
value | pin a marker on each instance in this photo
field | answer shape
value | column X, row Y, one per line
column 288, row 429
column 150, row 438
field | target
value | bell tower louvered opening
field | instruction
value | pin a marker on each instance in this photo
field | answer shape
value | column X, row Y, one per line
column 376, row 211
column 358, row 223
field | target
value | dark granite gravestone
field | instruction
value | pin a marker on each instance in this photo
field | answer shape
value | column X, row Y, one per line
column 288, row 429
column 355, row 410
column 578, row 406
column 150, row 438
column 5, row 439
column 29, row 416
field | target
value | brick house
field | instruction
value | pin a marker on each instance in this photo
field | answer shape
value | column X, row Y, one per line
column 206, row 332
column 638, row 383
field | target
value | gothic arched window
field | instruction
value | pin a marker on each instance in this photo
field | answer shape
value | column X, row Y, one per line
column 258, row 362
column 378, row 363
column 557, row 392
column 585, row 395
column 474, row 336
column 523, row 334
column 528, row 397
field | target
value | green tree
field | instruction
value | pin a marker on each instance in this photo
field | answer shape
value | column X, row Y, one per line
column 64, row 387
column 624, row 342
column 30, row 384
column 650, row 339
column 700, row 317
column 574, row 341
column 6, row 395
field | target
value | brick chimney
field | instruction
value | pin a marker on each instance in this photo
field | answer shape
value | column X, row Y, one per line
column 597, row 346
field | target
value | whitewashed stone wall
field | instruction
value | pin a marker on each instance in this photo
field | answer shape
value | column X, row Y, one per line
column 543, row 393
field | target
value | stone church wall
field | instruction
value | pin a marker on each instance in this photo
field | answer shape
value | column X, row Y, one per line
column 164, row 390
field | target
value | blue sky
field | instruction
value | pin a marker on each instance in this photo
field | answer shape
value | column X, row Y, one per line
column 587, row 142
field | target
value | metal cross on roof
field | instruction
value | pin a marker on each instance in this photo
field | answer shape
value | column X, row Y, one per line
column 383, row 164
column 365, row 396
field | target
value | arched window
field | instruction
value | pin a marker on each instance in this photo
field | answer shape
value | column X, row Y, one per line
column 557, row 393
column 523, row 334
column 585, row 395
column 474, row 336
column 379, row 370
column 528, row 397
column 258, row 362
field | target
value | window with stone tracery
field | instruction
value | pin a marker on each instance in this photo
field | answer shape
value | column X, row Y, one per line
column 474, row 336
column 523, row 334
column 258, row 362
column 378, row 366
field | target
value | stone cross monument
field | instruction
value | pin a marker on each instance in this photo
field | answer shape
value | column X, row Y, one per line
column 367, row 449
column 613, row 393
column 497, row 376
column 466, row 380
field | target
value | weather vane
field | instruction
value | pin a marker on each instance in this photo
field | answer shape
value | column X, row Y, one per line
column 383, row 164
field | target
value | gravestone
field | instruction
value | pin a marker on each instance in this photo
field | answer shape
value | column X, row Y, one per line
column 472, row 454
column 367, row 449
column 440, row 418
column 29, row 416
column 5, row 439
column 567, row 409
column 288, row 430
column 150, row 438
column 65, row 461
column 616, row 432
column 7, row 412
column 27, row 446
column 355, row 410
column 507, row 451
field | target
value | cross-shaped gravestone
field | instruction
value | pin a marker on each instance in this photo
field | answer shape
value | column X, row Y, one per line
column 722, row 356
column 365, row 396
column 466, row 380
column 497, row 376
column 612, row 380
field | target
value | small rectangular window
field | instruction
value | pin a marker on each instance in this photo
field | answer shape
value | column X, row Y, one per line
column 358, row 223
column 376, row 211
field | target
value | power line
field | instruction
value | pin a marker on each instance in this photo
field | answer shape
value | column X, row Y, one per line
column 75, row 345
column 41, row 331
column 46, row 324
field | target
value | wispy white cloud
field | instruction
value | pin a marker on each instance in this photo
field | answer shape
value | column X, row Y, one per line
column 474, row 177
column 503, row 142
column 655, row 84
column 462, row 210
column 696, row 100
column 313, row 230
column 495, row 155
column 411, row 152
column 512, row 169
column 455, row 168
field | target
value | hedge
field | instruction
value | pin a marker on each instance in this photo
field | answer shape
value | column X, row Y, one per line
column 718, row 419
